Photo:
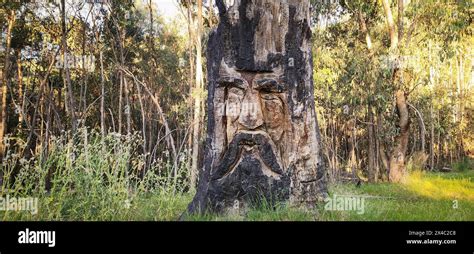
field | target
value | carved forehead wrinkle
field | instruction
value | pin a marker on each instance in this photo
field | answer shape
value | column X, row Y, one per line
column 226, row 71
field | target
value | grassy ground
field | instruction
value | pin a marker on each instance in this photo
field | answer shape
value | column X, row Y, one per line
column 97, row 187
column 422, row 197
column 100, row 182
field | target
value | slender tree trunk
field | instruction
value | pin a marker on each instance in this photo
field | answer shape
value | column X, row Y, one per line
column 142, row 109
column 45, row 141
column 401, row 7
column 85, row 73
column 4, row 80
column 391, row 24
column 432, row 139
column 20, row 89
column 335, row 146
column 120, row 101
column 32, row 136
column 462, row 102
column 190, row 79
column 365, row 30
column 197, row 101
column 382, row 149
column 440, row 144
column 168, row 134
column 421, row 123
column 150, row 7
column 102, row 96
column 66, row 73
column 124, row 86
column 377, row 149
column 352, row 148
column 121, row 80
column 371, row 152
column 128, row 109
column 372, row 168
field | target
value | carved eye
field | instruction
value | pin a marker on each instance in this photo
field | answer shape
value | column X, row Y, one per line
column 230, row 81
column 273, row 103
column 270, row 86
column 269, row 97
column 235, row 94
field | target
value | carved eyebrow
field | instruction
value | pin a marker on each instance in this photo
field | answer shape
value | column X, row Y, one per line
column 270, row 85
column 231, row 81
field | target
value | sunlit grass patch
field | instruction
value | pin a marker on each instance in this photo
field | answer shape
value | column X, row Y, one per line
column 438, row 187
column 399, row 202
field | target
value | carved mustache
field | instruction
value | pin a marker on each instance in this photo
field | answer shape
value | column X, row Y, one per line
column 260, row 140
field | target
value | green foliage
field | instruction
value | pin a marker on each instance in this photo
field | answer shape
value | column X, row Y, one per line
column 433, row 62
column 82, row 176
column 464, row 165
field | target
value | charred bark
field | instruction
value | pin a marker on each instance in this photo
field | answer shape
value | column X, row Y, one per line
column 263, row 139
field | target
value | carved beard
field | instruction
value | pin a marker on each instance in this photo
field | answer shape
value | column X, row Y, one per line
column 249, row 170
column 250, row 151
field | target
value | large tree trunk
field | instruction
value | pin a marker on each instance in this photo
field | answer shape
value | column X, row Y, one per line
column 397, row 158
column 263, row 141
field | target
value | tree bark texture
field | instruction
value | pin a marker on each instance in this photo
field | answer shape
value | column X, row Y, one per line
column 263, row 141
column 397, row 158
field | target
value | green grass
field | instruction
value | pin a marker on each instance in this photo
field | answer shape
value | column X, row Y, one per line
column 414, row 200
column 422, row 197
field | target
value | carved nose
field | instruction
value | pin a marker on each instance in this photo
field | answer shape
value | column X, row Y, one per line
column 251, row 116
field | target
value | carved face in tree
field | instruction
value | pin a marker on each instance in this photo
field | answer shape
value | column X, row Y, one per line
column 254, row 106
column 262, row 138
column 254, row 102
column 254, row 118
